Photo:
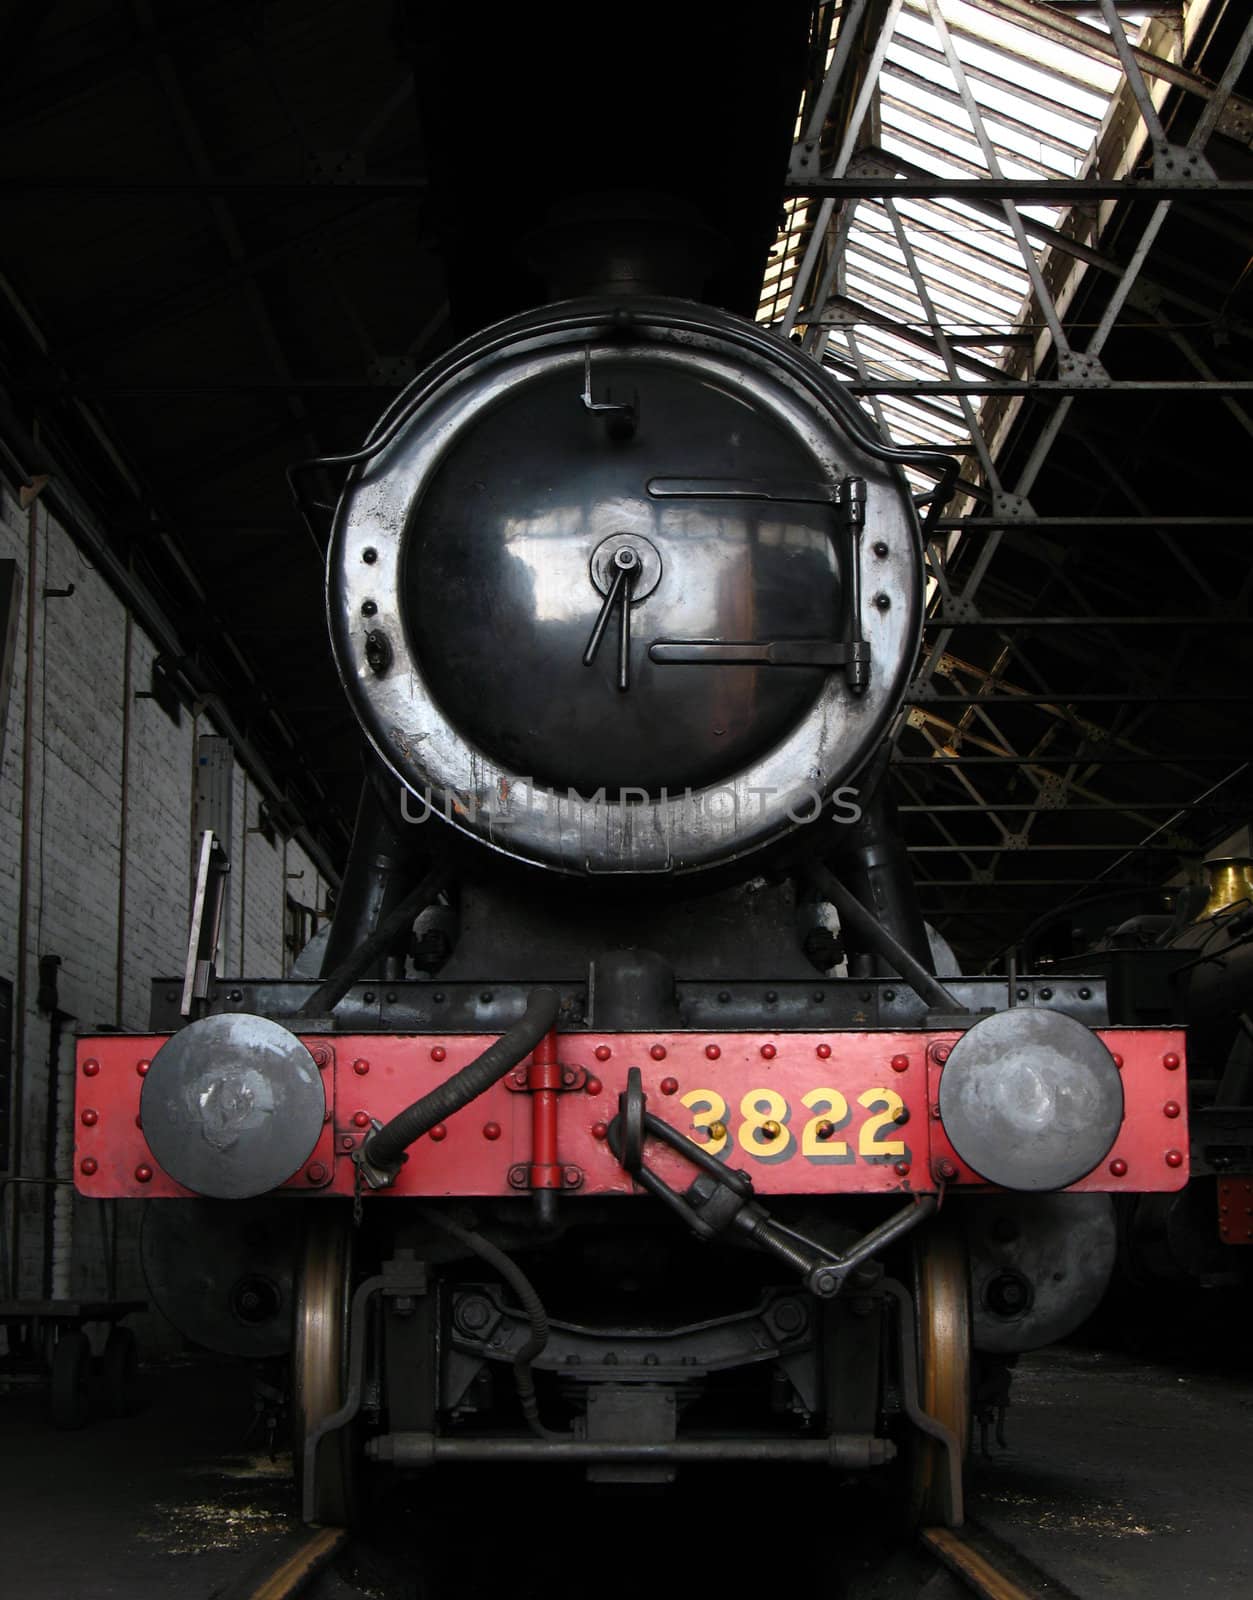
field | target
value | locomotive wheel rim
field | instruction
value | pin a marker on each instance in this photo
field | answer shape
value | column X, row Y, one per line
column 943, row 1321
column 319, row 1364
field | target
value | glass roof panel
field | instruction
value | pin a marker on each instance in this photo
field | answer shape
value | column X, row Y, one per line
column 1041, row 107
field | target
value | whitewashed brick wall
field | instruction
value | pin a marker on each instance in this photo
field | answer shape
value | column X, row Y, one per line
column 111, row 943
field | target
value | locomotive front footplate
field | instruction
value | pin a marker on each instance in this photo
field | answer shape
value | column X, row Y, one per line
column 801, row 1113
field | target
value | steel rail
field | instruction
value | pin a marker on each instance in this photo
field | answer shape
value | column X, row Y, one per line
column 972, row 1557
column 284, row 1572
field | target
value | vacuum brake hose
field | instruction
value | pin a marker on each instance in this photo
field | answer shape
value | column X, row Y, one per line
column 532, row 1308
column 385, row 1149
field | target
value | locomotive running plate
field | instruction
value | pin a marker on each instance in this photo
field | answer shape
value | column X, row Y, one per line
column 801, row 1113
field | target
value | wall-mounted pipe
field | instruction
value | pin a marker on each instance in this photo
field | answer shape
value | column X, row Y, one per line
column 119, row 990
column 22, row 1032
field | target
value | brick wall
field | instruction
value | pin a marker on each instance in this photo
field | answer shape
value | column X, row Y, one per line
column 107, row 866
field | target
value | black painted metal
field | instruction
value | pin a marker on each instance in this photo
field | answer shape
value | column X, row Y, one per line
column 382, row 863
column 706, row 1006
column 838, row 1450
column 632, row 989
column 393, row 930
column 871, row 862
column 781, row 1322
column 874, row 937
column 223, row 1273
column 1039, row 1264
column 500, row 593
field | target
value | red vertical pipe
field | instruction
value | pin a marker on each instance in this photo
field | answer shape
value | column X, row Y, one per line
column 543, row 1079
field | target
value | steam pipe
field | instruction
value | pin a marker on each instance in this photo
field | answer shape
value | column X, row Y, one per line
column 855, row 917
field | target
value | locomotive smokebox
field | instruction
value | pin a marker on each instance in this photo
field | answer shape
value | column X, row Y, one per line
column 1031, row 1100
column 625, row 586
column 232, row 1106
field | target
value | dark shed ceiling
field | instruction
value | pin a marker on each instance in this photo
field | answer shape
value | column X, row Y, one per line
column 234, row 243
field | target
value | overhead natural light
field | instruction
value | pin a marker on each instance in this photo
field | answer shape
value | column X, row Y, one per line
column 1043, row 106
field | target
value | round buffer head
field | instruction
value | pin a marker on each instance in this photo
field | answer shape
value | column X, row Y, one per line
column 1031, row 1099
column 232, row 1106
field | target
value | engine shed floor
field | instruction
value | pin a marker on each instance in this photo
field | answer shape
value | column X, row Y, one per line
column 1124, row 1478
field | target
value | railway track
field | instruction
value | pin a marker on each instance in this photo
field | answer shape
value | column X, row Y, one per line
column 989, row 1568
column 982, row 1564
column 289, row 1569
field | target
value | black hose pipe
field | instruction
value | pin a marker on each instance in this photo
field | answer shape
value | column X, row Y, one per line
column 385, row 1149
column 532, row 1309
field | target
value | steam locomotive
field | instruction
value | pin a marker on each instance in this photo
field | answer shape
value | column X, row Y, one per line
column 1187, row 960
column 624, row 1120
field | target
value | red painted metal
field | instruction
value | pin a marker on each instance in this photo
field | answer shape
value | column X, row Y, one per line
column 851, row 1121
column 543, row 1079
column 1146, row 1155
column 1235, row 1210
